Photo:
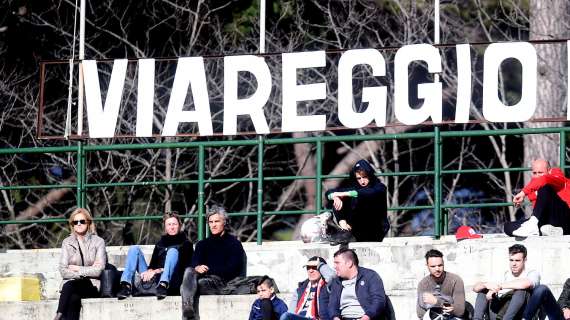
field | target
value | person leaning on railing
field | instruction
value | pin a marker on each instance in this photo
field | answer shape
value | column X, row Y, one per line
column 83, row 257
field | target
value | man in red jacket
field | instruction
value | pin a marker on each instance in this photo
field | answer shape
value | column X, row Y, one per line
column 549, row 192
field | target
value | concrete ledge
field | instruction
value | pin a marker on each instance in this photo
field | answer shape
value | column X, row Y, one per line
column 399, row 261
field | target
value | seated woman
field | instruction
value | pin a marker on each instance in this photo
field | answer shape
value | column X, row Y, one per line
column 83, row 257
column 171, row 255
column 362, row 207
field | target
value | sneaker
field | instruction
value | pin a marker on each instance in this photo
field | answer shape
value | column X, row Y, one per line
column 125, row 291
column 528, row 228
column 550, row 230
column 162, row 290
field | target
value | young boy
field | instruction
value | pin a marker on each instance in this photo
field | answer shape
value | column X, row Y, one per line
column 267, row 306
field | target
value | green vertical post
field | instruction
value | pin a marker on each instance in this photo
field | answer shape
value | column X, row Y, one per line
column 84, row 179
column 260, row 146
column 319, row 177
column 79, row 175
column 562, row 150
column 201, row 166
column 437, row 183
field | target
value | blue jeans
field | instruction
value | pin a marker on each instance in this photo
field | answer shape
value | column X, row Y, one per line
column 542, row 297
column 292, row 316
column 136, row 263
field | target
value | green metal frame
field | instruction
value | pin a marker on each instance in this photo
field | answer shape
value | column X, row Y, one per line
column 440, row 209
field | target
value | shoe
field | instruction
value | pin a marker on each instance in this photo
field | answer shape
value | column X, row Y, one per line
column 125, row 291
column 550, row 230
column 528, row 228
column 162, row 290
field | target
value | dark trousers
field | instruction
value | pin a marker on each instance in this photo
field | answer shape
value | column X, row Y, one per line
column 71, row 294
column 542, row 297
column 511, row 306
column 548, row 209
column 192, row 287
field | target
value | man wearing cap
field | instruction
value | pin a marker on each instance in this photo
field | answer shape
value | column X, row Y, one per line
column 357, row 292
column 549, row 192
column 507, row 297
column 466, row 232
column 310, row 301
column 441, row 294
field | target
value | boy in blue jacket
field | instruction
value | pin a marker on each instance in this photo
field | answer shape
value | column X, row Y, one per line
column 267, row 306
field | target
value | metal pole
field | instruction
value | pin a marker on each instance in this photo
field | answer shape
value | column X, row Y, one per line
column 81, row 57
column 260, row 147
column 319, row 177
column 79, row 175
column 437, row 183
column 562, row 150
column 261, row 26
column 201, row 192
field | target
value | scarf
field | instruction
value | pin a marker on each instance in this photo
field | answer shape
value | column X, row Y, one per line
column 315, row 305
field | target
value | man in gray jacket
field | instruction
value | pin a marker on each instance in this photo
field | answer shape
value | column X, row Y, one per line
column 441, row 294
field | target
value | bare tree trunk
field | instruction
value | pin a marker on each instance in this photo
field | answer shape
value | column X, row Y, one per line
column 547, row 21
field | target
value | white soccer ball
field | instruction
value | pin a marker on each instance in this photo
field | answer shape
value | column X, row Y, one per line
column 311, row 230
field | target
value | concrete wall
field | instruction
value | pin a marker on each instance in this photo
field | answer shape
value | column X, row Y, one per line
column 399, row 261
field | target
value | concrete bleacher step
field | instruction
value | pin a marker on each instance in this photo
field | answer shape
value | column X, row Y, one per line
column 399, row 261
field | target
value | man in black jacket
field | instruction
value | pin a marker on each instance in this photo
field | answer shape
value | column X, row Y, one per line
column 217, row 259
column 362, row 207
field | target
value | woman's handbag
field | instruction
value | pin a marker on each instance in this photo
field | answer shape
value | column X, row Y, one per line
column 145, row 288
column 110, row 279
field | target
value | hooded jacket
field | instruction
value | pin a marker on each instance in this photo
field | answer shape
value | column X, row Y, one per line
column 367, row 211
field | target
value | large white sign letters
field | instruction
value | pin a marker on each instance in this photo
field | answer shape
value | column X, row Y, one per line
column 190, row 78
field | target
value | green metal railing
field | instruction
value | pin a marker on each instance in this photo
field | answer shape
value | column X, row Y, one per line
column 440, row 209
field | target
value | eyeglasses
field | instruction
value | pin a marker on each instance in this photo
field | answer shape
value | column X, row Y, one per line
column 311, row 268
column 79, row 222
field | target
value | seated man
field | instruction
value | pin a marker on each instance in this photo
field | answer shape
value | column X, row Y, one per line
column 440, row 293
column 357, row 292
column 311, row 299
column 549, row 192
column 509, row 296
column 362, row 207
column 216, row 260
column 564, row 300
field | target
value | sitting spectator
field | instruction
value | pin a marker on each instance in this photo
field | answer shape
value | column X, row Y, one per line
column 267, row 306
column 441, row 294
column 564, row 300
column 171, row 255
column 83, row 257
column 357, row 292
column 216, row 260
column 362, row 208
column 508, row 297
column 311, row 300
column 549, row 192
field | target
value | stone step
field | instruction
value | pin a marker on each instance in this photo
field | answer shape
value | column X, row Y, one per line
column 399, row 261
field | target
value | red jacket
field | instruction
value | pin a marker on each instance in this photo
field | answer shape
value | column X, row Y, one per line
column 555, row 179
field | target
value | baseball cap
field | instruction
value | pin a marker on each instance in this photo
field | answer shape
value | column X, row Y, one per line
column 466, row 232
column 315, row 261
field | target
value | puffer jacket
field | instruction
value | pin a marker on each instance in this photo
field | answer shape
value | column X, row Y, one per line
column 93, row 249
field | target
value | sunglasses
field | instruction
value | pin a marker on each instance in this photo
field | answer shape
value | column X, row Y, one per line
column 79, row 222
column 311, row 268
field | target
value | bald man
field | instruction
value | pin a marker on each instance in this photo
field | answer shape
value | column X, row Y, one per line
column 549, row 192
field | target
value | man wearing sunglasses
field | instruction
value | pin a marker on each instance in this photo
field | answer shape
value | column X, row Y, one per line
column 311, row 299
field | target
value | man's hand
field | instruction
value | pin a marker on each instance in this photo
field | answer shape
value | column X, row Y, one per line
column 518, row 199
column 336, row 318
column 365, row 317
column 337, row 202
column 147, row 275
column 201, row 269
column 493, row 286
column 344, row 226
column 566, row 312
column 448, row 310
column 429, row 298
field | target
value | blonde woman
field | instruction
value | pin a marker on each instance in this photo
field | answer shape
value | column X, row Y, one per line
column 83, row 257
